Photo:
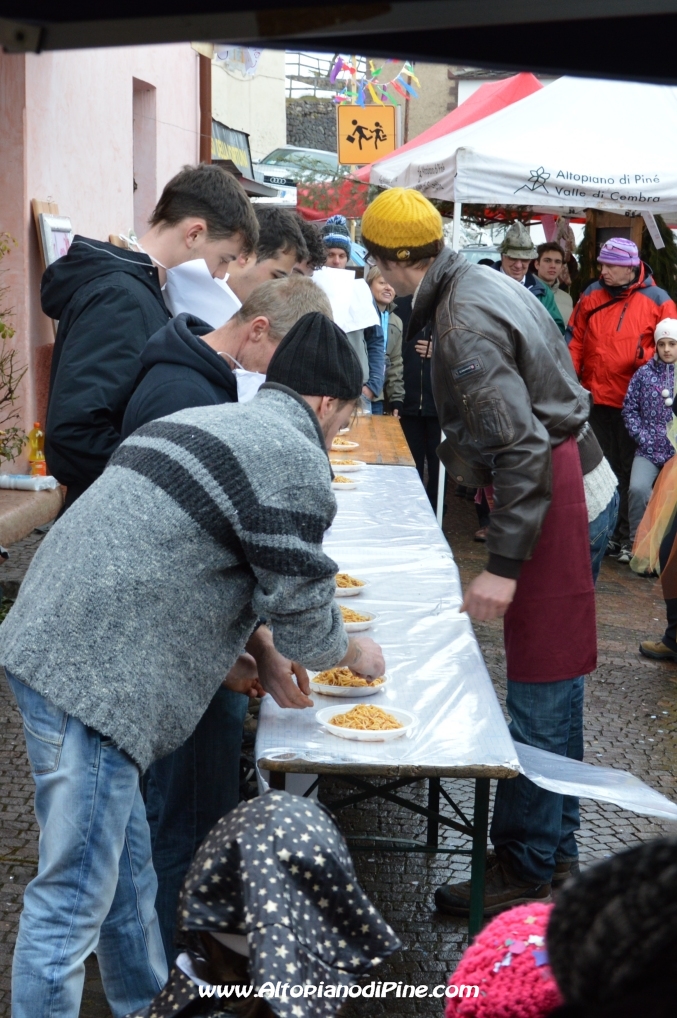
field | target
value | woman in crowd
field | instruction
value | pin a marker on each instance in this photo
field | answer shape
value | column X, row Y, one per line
column 391, row 397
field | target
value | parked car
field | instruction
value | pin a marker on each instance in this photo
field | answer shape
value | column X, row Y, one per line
column 475, row 253
column 289, row 166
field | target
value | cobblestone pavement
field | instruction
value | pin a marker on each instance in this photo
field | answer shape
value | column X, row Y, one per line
column 630, row 723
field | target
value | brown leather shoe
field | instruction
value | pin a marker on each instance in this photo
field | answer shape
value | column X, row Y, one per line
column 564, row 870
column 502, row 889
column 481, row 534
column 657, row 650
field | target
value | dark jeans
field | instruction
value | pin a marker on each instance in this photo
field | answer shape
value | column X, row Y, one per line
column 188, row 792
column 533, row 829
column 377, row 407
column 619, row 449
column 601, row 531
column 423, row 435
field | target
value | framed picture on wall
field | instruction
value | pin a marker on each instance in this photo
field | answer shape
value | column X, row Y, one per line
column 56, row 234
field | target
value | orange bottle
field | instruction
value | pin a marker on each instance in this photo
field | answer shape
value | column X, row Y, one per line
column 36, row 451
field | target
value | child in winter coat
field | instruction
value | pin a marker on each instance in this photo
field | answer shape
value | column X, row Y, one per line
column 647, row 411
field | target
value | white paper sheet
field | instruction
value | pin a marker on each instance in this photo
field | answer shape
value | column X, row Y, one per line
column 351, row 301
column 190, row 288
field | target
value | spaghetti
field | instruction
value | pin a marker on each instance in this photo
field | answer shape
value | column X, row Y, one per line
column 363, row 718
column 338, row 479
column 352, row 616
column 345, row 580
column 343, row 677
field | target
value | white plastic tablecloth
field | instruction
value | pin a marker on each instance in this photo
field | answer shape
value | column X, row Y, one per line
column 385, row 533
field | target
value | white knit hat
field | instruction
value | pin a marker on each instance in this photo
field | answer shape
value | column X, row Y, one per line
column 667, row 329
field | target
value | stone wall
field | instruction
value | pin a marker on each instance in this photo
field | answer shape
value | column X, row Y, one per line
column 311, row 123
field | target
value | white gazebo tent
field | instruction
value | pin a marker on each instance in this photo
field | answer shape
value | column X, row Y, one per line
column 577, row 144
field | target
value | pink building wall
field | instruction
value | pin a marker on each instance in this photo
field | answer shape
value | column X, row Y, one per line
column 68, row 136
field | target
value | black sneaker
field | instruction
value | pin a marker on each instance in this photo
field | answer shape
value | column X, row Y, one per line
column 502, row 889
column 625, row 554
column 564, row 870
column 613, row 549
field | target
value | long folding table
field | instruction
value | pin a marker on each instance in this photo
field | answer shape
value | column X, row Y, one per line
column 386, row 534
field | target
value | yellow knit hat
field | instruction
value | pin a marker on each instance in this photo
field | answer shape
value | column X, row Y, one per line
column 402, row 225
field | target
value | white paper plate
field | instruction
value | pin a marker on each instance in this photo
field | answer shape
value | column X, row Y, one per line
column 346, row 691
column 407, row 720
column 358, row 627
column 351, row 591
column 343, row 446
column 344, row 485
column 347, row 468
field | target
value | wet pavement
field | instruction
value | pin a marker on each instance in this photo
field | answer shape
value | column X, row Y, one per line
column 630, row 723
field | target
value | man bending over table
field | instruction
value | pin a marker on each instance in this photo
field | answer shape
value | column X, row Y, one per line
column 514, row 415
column 139, row 602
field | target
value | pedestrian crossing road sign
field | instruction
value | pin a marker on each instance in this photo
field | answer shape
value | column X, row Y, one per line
column 365, row 133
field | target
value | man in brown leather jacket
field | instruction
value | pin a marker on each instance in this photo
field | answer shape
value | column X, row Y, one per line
column 514, row 417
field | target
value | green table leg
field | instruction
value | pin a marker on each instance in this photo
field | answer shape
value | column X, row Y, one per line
column 479, row 855
column 277, row 780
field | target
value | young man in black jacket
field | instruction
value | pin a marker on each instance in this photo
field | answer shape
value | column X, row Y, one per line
column 187, row 363
column 109, row 302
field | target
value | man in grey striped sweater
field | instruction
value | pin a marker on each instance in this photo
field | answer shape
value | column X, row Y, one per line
column 139, row 602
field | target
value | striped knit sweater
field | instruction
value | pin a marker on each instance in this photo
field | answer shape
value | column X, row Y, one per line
column 143, row 594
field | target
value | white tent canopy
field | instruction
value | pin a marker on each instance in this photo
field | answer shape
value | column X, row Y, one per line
column 579, row 143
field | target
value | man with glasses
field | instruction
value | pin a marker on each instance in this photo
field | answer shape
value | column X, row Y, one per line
column 517, row 250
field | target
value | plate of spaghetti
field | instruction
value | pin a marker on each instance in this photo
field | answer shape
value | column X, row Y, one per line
column 340, row 483
column 343, row 443
column 348, row 586
column 355, row 621
column 343, row 682
column 347, row 466
column 365, row 722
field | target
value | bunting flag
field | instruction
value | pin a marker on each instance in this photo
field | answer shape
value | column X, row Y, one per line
column 357, row 93
column 412, row 91
column 373, row 95
column 409, row 70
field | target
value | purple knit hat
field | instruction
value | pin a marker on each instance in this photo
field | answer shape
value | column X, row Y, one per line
column 619, row 251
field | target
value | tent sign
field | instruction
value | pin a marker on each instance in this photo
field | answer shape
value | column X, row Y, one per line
column 365, row 133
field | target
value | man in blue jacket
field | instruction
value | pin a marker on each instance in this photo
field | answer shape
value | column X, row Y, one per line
column 188, row 363
column 108, row 302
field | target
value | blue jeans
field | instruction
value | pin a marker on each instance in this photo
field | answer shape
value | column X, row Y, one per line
column 533, row 829
column 95, row 886
column 187, row 793
column 377, row 406
column 601, row 531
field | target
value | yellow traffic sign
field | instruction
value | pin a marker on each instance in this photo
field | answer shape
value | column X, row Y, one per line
column 365, row 133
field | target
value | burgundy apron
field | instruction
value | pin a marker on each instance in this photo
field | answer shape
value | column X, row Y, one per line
column 550, row 630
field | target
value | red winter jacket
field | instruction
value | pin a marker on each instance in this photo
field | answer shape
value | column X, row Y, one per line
column 611, row 334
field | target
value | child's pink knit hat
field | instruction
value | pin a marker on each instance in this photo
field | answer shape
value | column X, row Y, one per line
column 509, row 963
